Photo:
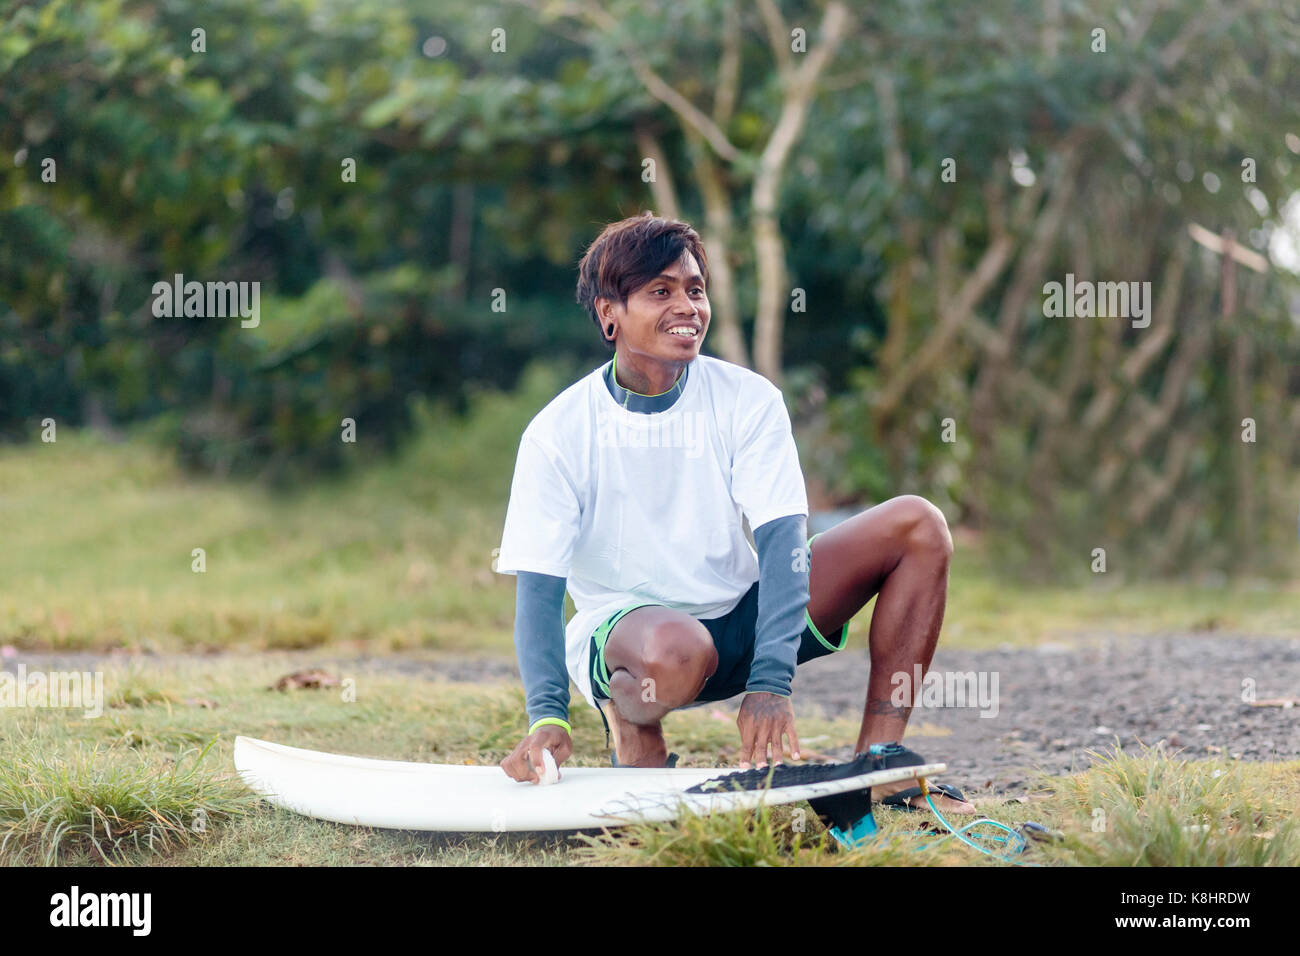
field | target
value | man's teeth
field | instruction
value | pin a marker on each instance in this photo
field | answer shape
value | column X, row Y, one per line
column 682, row 330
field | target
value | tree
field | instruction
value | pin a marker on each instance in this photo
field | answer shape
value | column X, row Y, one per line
column 654, row 41
column 1070, row 160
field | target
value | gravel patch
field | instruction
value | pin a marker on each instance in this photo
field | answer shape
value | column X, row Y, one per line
column 1056, row 702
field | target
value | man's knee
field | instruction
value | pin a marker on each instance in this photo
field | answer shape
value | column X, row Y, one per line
column 678, row 656
column 921, row 527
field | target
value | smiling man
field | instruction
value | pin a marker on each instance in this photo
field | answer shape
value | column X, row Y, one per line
column 630, row 490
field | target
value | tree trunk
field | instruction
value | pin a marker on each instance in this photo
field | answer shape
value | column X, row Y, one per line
column 717, row 233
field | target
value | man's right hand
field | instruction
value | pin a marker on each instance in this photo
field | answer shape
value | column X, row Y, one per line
column 525, row 762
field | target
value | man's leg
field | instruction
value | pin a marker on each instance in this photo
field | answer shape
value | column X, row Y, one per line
column 658, row 659
column 900, row 551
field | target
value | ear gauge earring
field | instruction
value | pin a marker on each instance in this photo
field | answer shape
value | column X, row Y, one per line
column 609, row 331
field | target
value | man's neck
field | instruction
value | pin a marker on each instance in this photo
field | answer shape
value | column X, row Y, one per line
column 638, row 402
column 650, row 379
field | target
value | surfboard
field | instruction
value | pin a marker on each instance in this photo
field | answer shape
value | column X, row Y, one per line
column 393, row 794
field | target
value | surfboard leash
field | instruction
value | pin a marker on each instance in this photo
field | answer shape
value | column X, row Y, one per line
column 866, row 830
column 1012, row 837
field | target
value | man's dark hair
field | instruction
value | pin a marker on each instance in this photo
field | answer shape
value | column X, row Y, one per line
column 628, row 254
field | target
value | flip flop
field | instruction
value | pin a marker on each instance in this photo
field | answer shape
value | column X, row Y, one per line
column 613, row 761
column 899, row 800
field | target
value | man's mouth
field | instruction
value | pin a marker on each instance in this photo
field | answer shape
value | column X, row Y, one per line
column 684, row 332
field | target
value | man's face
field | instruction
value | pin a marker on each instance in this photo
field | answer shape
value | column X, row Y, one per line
column 675, row 299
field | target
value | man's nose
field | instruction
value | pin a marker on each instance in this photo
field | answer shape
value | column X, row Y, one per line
column 682, row 304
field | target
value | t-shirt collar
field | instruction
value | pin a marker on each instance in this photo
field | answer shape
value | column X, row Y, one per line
column 635, row 401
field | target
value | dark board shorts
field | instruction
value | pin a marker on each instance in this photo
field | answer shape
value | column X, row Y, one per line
column 733, row 635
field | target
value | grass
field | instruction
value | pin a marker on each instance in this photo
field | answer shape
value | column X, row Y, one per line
column 57, row 766
column 110, row 804
column 100, row 541
column 987, row 611
column 1152, row 809
column 1129, row 809
column 152, row 782
column 396, row 557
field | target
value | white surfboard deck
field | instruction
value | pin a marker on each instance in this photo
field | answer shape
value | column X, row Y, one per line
column 393, row 794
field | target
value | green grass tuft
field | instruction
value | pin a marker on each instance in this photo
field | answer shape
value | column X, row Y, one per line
column 1155, row 809
column 768, row 836
column 79, row 804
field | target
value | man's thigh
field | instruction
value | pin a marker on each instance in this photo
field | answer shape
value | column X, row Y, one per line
column 624, row 643
column 626, row 647
column 733, row 634
column 850, row 562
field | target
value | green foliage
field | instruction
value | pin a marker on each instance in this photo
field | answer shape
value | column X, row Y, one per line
column 209, row 164
column 1164, row 143
column 483, row 172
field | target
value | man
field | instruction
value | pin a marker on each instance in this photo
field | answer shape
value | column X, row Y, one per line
column 630, row 488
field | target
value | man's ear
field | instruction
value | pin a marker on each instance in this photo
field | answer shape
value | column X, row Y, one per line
column 606, row 313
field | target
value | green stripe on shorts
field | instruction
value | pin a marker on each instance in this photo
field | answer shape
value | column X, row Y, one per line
column 844, row 633
column 601, row 636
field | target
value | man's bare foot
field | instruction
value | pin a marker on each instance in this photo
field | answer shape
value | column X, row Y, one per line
column 945, row 804
column 635, row 745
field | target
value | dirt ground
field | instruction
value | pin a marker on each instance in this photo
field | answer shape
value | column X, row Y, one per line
column 1054, row 702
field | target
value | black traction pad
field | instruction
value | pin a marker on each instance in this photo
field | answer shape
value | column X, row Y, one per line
column 785, row 775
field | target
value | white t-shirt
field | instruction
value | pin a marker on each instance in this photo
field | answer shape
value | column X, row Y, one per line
column 636, row 507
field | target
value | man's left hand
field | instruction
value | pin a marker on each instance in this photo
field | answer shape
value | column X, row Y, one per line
column 764, row 719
